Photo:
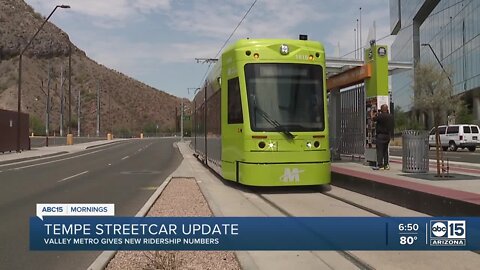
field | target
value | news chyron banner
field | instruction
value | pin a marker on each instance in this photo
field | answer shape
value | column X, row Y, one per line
column 106, row 232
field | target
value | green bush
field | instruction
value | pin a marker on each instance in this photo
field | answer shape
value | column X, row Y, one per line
column 123, row 133
column 150, row 128
column 465, row 117
column 36, row 126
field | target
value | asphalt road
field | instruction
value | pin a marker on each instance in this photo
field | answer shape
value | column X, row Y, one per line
column 125, row 174
column 461, row 155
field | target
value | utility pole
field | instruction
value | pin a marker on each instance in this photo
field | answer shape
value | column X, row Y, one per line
column 62, row 105
column 357, row 41
column 181, row 122
column 69, row 86
column 47, row 118
column 176, row 119
column 78, row 113
column 360, row 31
column 98, row 110
column 109, row 114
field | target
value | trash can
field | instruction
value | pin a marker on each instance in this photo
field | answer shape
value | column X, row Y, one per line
column 415, row 151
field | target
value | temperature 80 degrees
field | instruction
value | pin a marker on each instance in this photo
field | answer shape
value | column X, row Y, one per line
column 408, row 240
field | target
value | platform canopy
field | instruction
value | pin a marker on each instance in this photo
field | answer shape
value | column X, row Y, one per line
column 339, row 65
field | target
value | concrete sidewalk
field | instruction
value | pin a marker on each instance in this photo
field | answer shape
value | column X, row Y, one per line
column 43, row 152
column 457, row 194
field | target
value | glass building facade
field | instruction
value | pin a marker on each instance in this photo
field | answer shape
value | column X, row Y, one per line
column 452, row 28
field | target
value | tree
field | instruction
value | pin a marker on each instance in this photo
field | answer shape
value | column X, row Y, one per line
column 433, row 95
column 401, row 120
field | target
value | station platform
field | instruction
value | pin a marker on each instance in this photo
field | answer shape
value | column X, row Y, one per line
column 457, row 193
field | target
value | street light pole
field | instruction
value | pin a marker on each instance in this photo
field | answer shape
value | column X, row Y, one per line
column 19, row 98
column 69, row 87
column 78, row 112
column 438, row 60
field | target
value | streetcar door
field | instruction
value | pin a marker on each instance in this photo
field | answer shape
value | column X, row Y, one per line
column 232, row 133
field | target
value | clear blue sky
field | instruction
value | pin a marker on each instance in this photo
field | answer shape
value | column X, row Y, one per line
column 157, row 41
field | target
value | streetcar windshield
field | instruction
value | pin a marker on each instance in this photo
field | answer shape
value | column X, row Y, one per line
column 285, row 97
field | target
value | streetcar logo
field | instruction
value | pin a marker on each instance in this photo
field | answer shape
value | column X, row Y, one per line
column 291, row 175
column 284, row 49
column 382, row 51
column 448, row 232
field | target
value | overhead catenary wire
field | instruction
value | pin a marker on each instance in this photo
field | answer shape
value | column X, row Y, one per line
column 236, row 27
column 228, row 39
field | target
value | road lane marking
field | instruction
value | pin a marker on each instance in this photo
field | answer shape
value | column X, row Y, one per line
column 149, row 188
column 58, row 160
column 125, row 157
column 53, row 161
column 70, row 177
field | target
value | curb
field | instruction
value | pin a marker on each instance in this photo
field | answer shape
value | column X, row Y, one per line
column 32, row 158
column 106, row 256
column 425, row 201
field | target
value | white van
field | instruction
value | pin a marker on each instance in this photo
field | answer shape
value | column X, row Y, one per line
column 454, row 136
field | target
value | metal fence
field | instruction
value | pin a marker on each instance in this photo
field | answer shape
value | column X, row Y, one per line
column 347, row 121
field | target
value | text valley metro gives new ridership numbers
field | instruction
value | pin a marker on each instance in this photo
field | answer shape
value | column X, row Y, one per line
column 438, row 233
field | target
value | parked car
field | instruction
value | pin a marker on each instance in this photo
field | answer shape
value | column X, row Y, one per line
column 454, row 136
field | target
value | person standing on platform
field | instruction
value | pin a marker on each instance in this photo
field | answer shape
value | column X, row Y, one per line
column 384, row 130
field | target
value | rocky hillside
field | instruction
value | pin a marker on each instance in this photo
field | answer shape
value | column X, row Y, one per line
column 127, row 105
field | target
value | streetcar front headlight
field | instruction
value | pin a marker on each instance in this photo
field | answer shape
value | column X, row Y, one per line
column 272, row 145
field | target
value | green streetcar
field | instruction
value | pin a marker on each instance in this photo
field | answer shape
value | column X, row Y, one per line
column 261, row 117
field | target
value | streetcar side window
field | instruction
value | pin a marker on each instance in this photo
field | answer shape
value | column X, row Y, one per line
column 235, row 115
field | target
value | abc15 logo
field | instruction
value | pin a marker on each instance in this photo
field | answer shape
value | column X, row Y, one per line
column 451, row 229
